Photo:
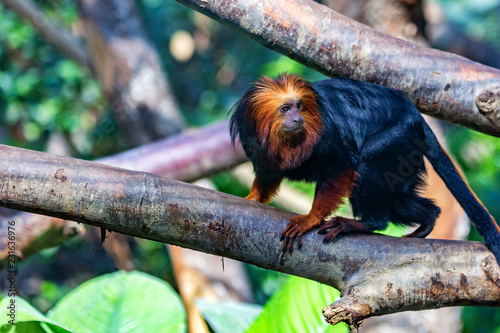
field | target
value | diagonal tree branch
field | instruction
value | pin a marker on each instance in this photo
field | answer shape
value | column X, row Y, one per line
column 187, row 157
column 377, row 274
column 441, row 84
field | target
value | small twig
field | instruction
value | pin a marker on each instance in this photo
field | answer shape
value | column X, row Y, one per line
column 101, row 241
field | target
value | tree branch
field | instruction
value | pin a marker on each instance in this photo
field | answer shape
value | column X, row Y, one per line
column 57, row 36
column 377, row 274
column 187, row 157
column 441, row 84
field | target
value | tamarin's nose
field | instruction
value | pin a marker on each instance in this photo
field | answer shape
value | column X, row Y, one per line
column 299, row 120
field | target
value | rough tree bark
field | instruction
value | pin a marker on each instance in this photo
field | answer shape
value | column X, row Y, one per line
column 441, row 84
column 187, row 156
column 428, row 21
column 143, row 105
column 376, row 274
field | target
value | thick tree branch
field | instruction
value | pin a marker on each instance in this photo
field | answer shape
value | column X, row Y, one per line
column 63, row 40
column 377, row 274
column 441, row 84
column 187, row 157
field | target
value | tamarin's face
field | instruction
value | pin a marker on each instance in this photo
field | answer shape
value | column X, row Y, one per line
column 292, row 120
column 282, row 109
column 283, row 115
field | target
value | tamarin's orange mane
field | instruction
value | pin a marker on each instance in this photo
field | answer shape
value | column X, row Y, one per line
column 288, row 150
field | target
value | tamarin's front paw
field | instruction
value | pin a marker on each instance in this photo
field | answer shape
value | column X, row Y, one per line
column 338, row 224
column 297, row 226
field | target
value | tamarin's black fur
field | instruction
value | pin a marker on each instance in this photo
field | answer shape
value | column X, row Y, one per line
column 355, row 140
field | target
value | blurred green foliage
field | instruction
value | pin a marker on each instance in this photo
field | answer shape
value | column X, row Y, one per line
column 228, row 317
column 116, row 302
column 478, row 19
column 284, row 313
column 43, row 94
column 479, row 156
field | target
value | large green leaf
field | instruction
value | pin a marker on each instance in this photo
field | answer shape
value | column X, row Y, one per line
column 121, row 302
column 296, row 307
column 27, row 319
column 228, row 317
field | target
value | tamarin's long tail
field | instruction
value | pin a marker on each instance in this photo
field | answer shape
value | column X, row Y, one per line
column 477, row 213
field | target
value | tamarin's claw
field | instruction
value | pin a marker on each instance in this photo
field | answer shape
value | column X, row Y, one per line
column 297, row 226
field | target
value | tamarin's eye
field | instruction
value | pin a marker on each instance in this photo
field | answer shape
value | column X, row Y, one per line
column 285, row 108
column 299, row 105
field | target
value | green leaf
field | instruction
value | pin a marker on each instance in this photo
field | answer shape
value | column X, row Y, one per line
column 228, row 317
column 47, row 111
column 32, row 131
column 26, row 318
column 69, row 70
column 296, row 307
column 121, row 302
column 281, row 65
column 25, row 84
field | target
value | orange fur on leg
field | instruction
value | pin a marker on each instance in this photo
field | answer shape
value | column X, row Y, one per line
column 328, row 197
column 263, row 191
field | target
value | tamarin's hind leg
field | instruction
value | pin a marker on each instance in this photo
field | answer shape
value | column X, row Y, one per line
column 264, row 189
column 329, row 196
column 411, row 209
column 339, row 224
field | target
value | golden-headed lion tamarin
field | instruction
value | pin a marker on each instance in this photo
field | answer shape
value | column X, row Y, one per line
column 355, row 140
